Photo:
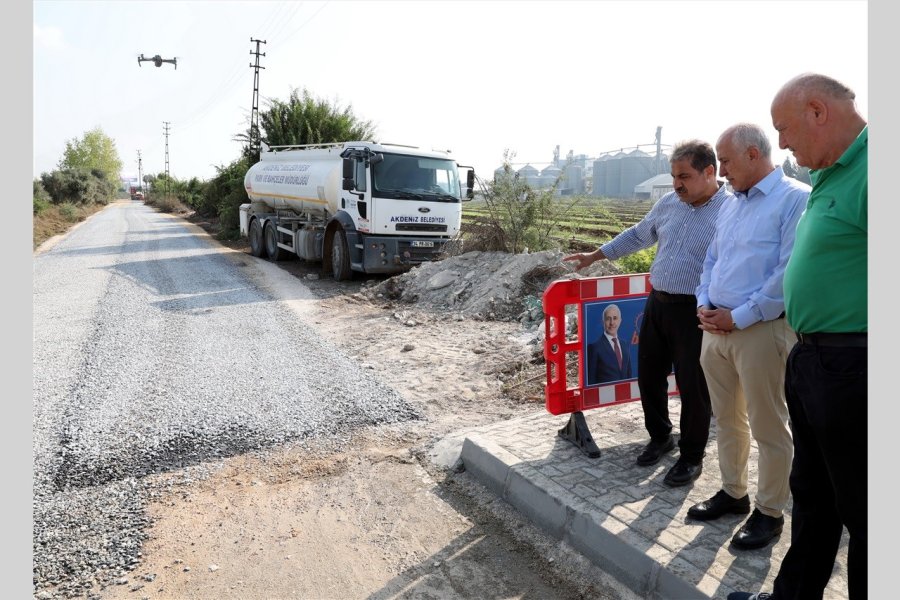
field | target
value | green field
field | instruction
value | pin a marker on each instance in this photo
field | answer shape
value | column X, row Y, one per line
column 590, row 221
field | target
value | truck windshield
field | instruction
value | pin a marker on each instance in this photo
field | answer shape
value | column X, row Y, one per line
column 416, row 178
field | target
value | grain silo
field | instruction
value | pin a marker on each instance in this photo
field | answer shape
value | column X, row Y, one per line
column 599, row 177
column 636, row 166
column 613, row 169
column 529, row 175
column 574, row 180
column 549, row 176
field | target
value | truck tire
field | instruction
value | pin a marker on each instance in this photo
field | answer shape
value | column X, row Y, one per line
column 340, row 256
column 257, row 244
column 273, row 251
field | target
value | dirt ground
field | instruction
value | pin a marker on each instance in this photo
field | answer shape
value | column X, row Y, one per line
column 371, row 516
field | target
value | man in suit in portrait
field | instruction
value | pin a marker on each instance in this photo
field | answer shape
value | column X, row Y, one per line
column 608, row 359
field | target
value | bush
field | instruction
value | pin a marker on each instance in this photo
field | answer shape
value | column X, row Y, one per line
column 69, row 212
column 78, row 186
column 639, row 262
column 40, row 197
column 224, row 195
column 167, row 204
column 39, row 206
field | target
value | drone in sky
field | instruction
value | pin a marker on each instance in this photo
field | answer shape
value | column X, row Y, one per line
column 157, row 60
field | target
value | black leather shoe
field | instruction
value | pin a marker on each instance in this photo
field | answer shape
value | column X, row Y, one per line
column 758, row 531
column 748, row 596
column 718, row 505
column 682, row 473
column 654, row 451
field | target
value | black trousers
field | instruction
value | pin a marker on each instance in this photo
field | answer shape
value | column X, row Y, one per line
column 827, row 396
column 670, row 336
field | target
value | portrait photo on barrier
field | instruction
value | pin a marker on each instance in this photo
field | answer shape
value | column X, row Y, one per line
column 610, row 329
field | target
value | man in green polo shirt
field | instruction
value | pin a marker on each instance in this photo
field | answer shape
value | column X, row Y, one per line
column 825, row 292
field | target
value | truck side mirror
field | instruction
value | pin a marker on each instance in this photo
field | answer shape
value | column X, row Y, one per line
column 470, row 184
column 348, row 167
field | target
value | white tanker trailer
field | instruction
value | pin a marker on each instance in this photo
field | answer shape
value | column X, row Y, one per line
column 355, row 206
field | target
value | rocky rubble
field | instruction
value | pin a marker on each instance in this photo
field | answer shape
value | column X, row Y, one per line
column 495, row 286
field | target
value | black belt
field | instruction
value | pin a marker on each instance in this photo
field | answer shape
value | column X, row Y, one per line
column 838, row 340
column 667, row 297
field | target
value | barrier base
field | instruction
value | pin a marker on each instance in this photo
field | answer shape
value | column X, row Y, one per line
column 577, row 432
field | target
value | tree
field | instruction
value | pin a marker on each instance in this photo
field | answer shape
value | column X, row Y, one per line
column 94, row 151
column 304, row 119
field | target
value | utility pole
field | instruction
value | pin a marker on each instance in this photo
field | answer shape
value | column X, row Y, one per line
column 254, row 112
column 166, row 129
column 140, row 173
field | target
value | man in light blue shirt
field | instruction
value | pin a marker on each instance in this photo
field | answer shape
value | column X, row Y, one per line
column 746, row 338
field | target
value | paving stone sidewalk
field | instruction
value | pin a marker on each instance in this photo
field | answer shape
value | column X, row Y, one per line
column 620, row 515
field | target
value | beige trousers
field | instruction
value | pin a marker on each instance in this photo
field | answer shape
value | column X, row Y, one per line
column 745, row 374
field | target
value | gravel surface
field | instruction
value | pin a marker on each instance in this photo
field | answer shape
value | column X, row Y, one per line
column 153, row 351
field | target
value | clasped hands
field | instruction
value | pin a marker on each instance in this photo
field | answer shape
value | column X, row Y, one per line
column 715, row 320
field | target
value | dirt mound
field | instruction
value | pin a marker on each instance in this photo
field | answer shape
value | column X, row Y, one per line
column 495, row 286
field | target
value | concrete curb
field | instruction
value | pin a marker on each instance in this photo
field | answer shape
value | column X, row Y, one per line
column 604, row 541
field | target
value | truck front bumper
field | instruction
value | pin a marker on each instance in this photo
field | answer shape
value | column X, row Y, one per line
column 394, row 254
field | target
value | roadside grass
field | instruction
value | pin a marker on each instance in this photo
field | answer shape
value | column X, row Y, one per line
column 56, row 219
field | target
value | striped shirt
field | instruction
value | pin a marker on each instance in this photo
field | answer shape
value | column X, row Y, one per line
column 683, row 233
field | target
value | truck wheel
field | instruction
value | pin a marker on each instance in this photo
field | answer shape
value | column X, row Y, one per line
column 257, row 245
column 340, row 256
column 271, row 237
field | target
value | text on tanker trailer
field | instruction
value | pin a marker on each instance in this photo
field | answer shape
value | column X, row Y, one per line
column 355, row 206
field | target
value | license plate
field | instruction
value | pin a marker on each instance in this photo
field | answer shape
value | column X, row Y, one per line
column 421, row 244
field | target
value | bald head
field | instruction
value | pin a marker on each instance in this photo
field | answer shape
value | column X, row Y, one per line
column 816, row 119
column 814, row 84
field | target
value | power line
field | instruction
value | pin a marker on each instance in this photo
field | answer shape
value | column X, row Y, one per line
column 235, row 75
column 304, row 24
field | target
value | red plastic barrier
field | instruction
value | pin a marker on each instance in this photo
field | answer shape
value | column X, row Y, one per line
column 591, row 296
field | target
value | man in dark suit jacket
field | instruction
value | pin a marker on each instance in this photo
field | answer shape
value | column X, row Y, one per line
column 604, row 363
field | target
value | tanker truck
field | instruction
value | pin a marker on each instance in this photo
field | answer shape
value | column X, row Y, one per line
column 355, row 206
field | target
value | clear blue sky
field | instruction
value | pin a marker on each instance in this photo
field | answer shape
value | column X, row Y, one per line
column 473, row 77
